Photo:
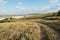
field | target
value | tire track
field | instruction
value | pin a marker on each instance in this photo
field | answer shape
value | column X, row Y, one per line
column 52, row 34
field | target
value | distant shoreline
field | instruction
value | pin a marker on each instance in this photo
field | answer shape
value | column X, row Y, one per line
column 3, row 17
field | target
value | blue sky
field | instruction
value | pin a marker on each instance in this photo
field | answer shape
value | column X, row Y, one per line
column 28, row 6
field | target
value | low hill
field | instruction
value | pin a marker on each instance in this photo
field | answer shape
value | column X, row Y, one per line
column 33, row 27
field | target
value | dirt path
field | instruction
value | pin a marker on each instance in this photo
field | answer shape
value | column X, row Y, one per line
column 52, row 34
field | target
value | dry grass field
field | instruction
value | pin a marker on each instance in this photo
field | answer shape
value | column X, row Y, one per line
column 35, row 27
column 20, row 31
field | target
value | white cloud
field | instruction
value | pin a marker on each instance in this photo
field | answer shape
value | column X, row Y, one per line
column 53, row 1
column 20, row 3
column 58, row 5
column 3, row 2
column 19, row 0
column 45, row 9
column 20, row 8
column 17, row 7
column 36, row 10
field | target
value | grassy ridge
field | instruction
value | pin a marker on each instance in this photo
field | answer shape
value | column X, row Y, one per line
column 30, row 28
column 19, row 31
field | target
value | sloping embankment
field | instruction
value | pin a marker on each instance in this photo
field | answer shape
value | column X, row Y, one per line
column 27, row 31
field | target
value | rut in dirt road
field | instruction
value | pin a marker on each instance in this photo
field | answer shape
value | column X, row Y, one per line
column 52, row 34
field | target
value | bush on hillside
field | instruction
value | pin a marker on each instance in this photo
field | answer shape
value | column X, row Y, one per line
column 58, row 14
column 6, row 20
column 54, row 14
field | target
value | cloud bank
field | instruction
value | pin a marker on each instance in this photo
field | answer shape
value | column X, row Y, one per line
column 20, row 9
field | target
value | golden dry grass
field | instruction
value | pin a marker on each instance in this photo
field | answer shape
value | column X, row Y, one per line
column 30, row 28
column 20, row 31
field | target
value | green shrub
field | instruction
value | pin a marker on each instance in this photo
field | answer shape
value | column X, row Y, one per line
column 54, row 14
column 58, row 14
column 6, row 20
